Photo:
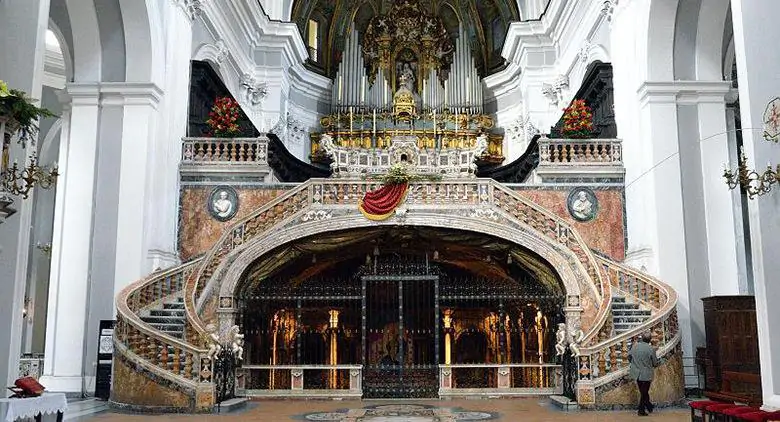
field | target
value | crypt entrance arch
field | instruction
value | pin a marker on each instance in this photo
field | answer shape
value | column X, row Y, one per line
column 283, row 293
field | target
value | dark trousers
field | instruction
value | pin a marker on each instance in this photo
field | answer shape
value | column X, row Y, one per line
column 644, row 396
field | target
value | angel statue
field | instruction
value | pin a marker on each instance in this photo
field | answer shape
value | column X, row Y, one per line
column 560, row 340
column 212, row 338
column 577, row 335
column 237, row 342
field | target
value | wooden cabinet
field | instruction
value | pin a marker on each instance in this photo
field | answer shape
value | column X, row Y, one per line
column 732, row 337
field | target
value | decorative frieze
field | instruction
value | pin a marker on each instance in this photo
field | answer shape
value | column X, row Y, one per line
column 253, row 90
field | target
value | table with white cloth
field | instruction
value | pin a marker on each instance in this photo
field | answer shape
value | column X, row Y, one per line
column 48, row 405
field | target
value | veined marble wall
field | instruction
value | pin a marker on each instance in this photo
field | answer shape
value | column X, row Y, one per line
column 199, row 230
column 606, row 232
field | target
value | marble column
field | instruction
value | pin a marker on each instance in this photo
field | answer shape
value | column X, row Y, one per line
column 72, row 242
column 755, row 34
column 22, row 43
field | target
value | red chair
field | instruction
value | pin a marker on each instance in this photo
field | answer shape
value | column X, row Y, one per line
column 759, row 416
column 731, row 414
column 699, row 407
column 715, row 411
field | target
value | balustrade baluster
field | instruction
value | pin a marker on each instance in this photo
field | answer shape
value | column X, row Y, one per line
column 643, row 292
column 624, row 345
column 188, row 365
column 602, row 362
column 233, row 152
column 613, row 358
column 176, row 361
column 209, row 153
column 164, row 356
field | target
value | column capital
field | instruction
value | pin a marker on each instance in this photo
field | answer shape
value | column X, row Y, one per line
column 683, row 92
column 133, row 93
column 193, row 8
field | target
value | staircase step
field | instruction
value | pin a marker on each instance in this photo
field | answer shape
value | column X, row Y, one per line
column 167, row 312
column 77, row 410
column 629, row 319
column 232, row 405
column 173, row 305
column 164, row 319
column 618, row 299
column 625, row 306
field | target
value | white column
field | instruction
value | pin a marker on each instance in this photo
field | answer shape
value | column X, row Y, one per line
column 719, row 216
column 755, row 34
column 659, row 192
column 136, row 205
column 22, row 48
column 71, row 243
column 166, row 149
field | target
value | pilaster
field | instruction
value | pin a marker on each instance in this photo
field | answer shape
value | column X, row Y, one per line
column 72, row 242
column 755, row 31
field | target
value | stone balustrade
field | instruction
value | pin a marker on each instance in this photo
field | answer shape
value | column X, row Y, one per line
column 166, row 358
column 580, row 152
column 311, row 381
column 607, row 360
column 509, row 379
column 224, row 150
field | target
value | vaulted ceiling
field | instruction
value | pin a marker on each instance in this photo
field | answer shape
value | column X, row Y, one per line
column 485, row 21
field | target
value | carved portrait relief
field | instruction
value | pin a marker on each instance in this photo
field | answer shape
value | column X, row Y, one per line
column 582, row 204
column 223, row 203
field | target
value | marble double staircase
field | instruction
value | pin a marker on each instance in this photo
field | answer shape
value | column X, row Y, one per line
column 161, row 349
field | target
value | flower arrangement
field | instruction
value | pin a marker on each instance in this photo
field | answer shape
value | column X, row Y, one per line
column 577, row 120
column 20, row 108
column 399, row 174
column 223, row 118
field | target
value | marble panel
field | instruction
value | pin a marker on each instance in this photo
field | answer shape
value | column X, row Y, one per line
column 605, row 233
column 132, row 388
column 199, row 230
column 668, row 387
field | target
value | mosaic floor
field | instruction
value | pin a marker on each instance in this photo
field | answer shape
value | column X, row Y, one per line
column 508, row 410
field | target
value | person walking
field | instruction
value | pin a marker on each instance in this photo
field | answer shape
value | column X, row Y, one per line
column 643, row 363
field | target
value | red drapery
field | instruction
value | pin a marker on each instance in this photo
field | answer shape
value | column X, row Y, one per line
column 381, row 203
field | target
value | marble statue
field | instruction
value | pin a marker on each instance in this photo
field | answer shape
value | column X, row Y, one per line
column 576, row 336
column 582, row 207
column 560, row 340
column 237, row 342
column 213, row 339
column 223, row 206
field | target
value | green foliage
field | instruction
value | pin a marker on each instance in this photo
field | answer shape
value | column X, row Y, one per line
column 399, row 174
column 18, row 106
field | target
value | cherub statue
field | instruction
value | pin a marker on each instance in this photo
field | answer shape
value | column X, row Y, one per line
column 237, row 340
column 560, row 340
column 213, row 341
column 576, row 337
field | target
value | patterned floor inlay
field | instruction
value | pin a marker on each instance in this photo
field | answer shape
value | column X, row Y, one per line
column 400, row 413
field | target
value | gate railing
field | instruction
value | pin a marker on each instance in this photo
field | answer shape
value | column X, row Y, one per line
column 501, row 379
column 304, row 380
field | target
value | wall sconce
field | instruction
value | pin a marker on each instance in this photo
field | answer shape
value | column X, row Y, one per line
column 20, row 181
column 754, row 183
column 45, row 248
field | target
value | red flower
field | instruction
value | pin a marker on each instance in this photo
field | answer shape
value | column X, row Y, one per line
column 577, row 120
column 223, row 116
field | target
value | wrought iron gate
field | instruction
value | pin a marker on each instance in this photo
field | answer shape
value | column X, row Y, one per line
column 401, row 334
column 225, row 375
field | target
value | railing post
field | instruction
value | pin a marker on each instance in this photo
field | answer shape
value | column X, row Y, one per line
column 445, row 377
column 355, row 377
column 504, row 378
column 296, row 379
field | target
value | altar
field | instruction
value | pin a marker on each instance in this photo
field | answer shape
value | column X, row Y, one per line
column 47, row 407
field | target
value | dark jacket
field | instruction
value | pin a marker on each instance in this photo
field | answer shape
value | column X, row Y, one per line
column 643, row 361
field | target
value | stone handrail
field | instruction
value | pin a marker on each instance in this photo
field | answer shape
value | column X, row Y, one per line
column 608, row 360
column 505, row 379
column 317, row 193
column 296, row 375
column 165, row 356
column 224, row 150
column 580, row 152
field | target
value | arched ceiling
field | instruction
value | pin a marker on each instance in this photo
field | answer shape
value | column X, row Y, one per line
column 485, row 21
column 479, row 254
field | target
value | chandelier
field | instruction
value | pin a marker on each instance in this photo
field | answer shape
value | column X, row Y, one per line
column 21, row 180
column 751, row 181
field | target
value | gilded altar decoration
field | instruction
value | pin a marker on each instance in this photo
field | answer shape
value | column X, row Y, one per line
column 407, row 41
